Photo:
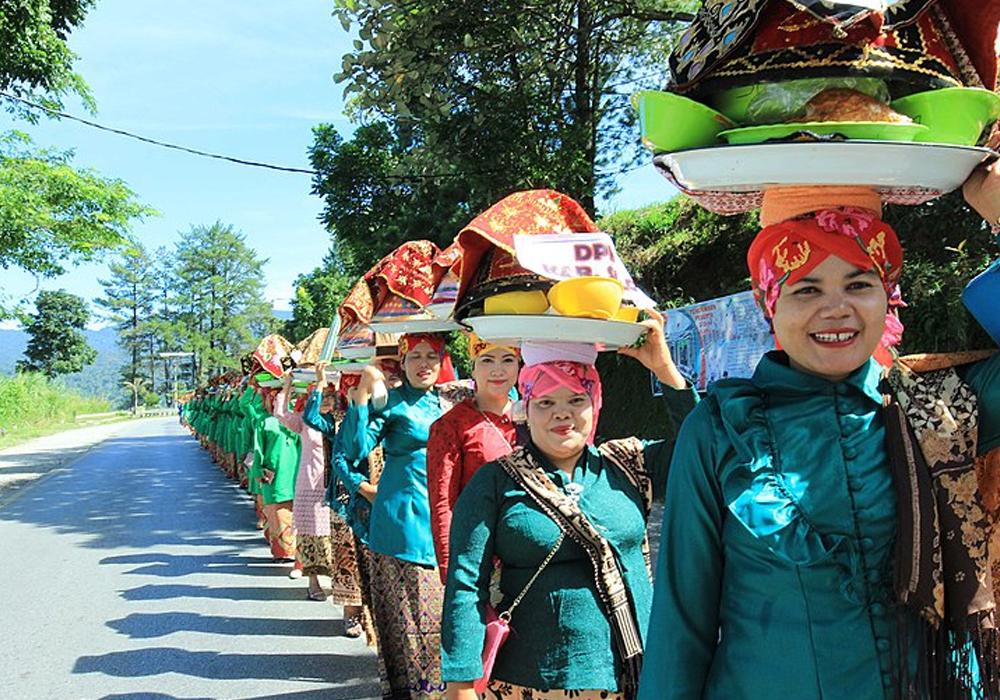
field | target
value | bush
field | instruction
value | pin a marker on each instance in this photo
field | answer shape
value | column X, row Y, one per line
column 30, row 400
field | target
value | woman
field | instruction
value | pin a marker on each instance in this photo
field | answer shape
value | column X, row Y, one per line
column 802, row 549
column 477, row 430
column 319, row 414
column 276, row 464
column 576, row 632
column 405, row 588
column 310, row 515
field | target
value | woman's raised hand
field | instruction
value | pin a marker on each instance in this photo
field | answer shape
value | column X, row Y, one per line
column 370, row 376
column 654, row 353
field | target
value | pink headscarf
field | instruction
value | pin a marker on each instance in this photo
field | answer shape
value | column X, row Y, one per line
column 536, row 381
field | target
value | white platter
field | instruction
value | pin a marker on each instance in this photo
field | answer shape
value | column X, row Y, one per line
column 880, row 164
column 431, row 325
column 362, row 352
column 512, row 330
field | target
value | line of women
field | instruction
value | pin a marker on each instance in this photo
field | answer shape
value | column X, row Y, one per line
column 259, row 438
column 828, row 522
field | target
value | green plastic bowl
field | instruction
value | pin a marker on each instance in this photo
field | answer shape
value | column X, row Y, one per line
column 669, row 122
column 733, row 103
column 951, row 115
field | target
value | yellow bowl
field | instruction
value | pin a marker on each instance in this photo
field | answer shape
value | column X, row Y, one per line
column 516, row 303
column 589, row 297
column 629, row 314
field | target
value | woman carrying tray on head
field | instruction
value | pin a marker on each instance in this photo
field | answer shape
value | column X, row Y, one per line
column 477, row 430
column 576, row 631
column 405, row 588
column 827, row 521
column 321, row 414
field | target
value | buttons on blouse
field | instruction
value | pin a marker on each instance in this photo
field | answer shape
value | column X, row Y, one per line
column 887, row 680
column 867, row 542
column 882, row 644
column 873, row 575
column 855, row 484
column 878, row 609
column 850, row 453
column 842, row 389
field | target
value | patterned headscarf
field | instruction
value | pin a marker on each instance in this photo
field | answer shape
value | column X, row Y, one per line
column 536, row 381
column 437, row 342
column 786, row 252
column 478, row 346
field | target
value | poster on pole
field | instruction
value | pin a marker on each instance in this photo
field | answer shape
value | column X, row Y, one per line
column 716, row 339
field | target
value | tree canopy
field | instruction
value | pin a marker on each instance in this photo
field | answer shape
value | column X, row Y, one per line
column 36, row 63
column 57, row 345
column 219, row 310
column 463, row 102
column 52, row 214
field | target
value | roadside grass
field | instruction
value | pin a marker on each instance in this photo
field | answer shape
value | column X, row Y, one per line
column 32, row 406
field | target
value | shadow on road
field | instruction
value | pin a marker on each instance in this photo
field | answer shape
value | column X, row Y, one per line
column 344, row 692
column 116, row 495
column 152, row 625
column 243, row 593
column 336, row 668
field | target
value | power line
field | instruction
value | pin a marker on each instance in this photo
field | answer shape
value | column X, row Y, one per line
column 154, row 142
column 410, row 177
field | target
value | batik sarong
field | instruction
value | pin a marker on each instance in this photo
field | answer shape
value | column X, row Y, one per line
column 280, row 531
column 406, row 601
column 315, row 554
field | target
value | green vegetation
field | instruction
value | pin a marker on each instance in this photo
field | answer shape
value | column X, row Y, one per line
column 31, row 406
column 57, row 344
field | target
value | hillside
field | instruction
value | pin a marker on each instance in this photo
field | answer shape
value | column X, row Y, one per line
column 99, row 379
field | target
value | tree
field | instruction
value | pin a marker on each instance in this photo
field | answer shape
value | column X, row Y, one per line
column 218, row 300
column 129, row 297
column 52, row 214
column 35, row 62
column 57, row 344
column 317, row 296
column 464, row 102
column 134, row 387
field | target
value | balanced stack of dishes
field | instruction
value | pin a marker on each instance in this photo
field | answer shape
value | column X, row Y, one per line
column 892, row 94
column 412, row 288
column 268, row 363
column 512, row 290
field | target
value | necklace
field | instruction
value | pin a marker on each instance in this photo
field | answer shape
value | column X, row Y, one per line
column 573, row 491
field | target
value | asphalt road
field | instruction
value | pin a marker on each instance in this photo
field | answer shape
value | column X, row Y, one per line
column 132, row 571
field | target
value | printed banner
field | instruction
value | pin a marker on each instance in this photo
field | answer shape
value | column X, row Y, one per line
column 716, row 339
column 562, row 256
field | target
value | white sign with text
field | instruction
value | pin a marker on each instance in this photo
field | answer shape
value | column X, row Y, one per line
column 562, row 256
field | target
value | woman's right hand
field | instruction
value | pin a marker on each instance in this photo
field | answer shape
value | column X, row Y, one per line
column 320, row 376
column 461, row 691
column 368, row 491
column 370, row 376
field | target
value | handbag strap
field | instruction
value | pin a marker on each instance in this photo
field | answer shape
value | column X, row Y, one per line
column 505, row 615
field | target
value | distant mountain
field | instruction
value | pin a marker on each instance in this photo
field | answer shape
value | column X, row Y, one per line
column 99, row 379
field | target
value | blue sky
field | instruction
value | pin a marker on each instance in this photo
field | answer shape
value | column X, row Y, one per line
column 243, row 78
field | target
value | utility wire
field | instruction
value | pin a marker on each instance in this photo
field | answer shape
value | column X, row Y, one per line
column 154, row 142
column 251, row 163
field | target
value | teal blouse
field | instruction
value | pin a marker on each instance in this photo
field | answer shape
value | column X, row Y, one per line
column 400, row 524
column 775, row 564
column 560, row 636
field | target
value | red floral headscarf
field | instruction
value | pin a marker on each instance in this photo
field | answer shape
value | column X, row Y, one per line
column 536, row 381
column 784, row 253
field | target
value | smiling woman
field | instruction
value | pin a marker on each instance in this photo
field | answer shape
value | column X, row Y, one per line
column 567, row 522
column 809, row 522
